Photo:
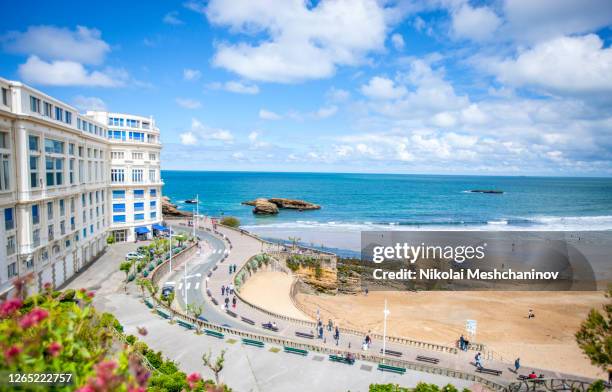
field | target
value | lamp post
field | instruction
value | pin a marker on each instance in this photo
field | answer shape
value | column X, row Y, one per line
column 170, row 234
column 386, row 313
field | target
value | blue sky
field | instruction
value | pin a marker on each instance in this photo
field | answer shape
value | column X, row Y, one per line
column 511, row 87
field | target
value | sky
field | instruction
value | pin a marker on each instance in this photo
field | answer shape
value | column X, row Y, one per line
column 506, row 87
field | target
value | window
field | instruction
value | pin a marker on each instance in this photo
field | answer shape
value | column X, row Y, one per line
column 33, row 171
column 138, row 193
column 71, row 177
column 131, row 123
column 12, row 270
column 152, row 175
column 153, row 215
column 10, row 245
column 91, row 229
column 34, row 104
column 62, row 227
column 152, row 156
column 137, row 155
column 117, row 135
column 118, row 194
column 50, row 232
column 54, row 146
column 153, row 192
column 4, row 96
column 138, row 217
column 119, row 207
column 139, row 206
column 9, row 222
column 117, row 154
column 5, row 173
column 35, row 215
column 59, row 113
column 33, row 143
column 145, row 125
column 62, row 207
column 117, row 175
column 119, row 218
column 71, row 149
column 50, row 210
column 4, row 140
column 54, row 171
column 84, row 233
column 137, row 136
column 72, row 223
column 153, row 204
column 36, row 237
column 48, row 109
column 137, row 175
column 68, row 118
column 83, row 200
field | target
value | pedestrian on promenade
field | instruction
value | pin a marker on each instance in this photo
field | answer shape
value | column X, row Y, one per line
column 330, row 325
column 337, row 335
column 222, row 290
column 230, row 269
column 234, row 302
column 321, row 332
column 517, row 365
column 231, row 287
column 366, row 291
column 478, row 359
column 462, row 343
column 226, row 302
column 368, row 340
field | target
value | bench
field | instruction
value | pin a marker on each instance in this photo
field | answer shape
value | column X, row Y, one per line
column 391, row 352
column 251, row 342
column 427, row 359
column 493, row 372
column 214, row 301
column 341, row 359
column 248, row 321
column 216, row 334
column 149, row 304
column 208, row 292
column 304, row 335
column 231, row 313
column 269, row 327
column 202, row 319
column 209, row 274
column 297, row 351
column 185, row 324
column 163, row 314
column 214, row 268
column 388, row 368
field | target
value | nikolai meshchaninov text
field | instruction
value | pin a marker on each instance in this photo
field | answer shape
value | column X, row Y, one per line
column 476, row 274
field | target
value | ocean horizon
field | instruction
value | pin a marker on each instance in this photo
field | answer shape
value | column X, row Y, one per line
column 357, row 201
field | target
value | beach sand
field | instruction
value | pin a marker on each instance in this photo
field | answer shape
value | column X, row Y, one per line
column 547, row 341
column 270, row 290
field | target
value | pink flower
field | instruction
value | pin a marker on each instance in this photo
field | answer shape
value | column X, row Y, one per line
column 11, row 352
column 82, row 290
column 35, row 316
column 193, row 379
column 54, row 349
column 10, row 306
column 86, row 388
column 136, row 389
column 47, row 286
column 90, row 294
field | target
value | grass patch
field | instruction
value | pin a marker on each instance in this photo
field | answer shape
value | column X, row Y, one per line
column 231, row 341
column 274, row 349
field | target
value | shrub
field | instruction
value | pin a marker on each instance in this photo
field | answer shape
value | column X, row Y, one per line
column 230, row 221
column 130, row 339
column 110, row 239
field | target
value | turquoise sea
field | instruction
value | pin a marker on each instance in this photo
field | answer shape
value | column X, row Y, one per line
column 356, row 202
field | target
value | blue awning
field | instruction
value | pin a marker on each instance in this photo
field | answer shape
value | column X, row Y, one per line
column 142, row 230
column 159, row 227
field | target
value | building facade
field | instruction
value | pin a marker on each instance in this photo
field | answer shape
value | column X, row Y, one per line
column 135, row 179
column 57, row 188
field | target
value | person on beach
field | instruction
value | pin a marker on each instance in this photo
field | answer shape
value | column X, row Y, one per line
column 330, row 325
column 530, row 314
column 366, row 291
column 478, row 359
column 462, row 343
column 234, row 302
column 337, row 335
column 517, row 365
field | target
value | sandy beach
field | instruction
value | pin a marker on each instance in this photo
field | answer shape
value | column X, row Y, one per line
column 271, row 291
column 547, row 341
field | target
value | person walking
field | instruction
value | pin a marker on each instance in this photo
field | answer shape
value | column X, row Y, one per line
column 517, row 365
column 478, row 359
column 337, row 335
column 222, row 290
column 330, row 325
column 226, row 303
column 234, row 302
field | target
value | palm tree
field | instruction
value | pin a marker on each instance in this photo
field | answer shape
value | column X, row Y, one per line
column 294, row 241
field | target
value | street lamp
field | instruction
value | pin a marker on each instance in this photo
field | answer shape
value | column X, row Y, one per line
column 386, row 313
column 170, row 233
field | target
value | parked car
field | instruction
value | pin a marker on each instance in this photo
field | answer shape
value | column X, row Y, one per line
column 134, row 256
column 167, row 288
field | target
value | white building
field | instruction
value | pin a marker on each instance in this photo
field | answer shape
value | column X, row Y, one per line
column 56, row 206
column 135, row 180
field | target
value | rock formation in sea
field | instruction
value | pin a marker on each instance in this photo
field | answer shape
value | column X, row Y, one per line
column 272, row 206
column 171, row 210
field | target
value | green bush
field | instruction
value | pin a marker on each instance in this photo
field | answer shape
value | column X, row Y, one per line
column 110, row 239
column 130, row 339
column 230, row 221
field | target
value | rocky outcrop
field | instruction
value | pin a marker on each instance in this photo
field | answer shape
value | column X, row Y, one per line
column 169, row 209
column 271, row 206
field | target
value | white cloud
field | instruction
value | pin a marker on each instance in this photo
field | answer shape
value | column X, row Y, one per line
column 191, row 74
column 477, row 24
column 188, row 139
column 253, row 136
column 325, row 112
column 222, row 135
column 398, row 41
column 235, row 86
column 382, row 88
column 89, row 103
column 268, row 115
column 303, row 41
column 444, row 120
column 238, row 155
column 188, row 103
column 337, row 95
column 83, row 45
column 562, row 65
column 540, row 20
column 172, row 18
column 69, row 73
